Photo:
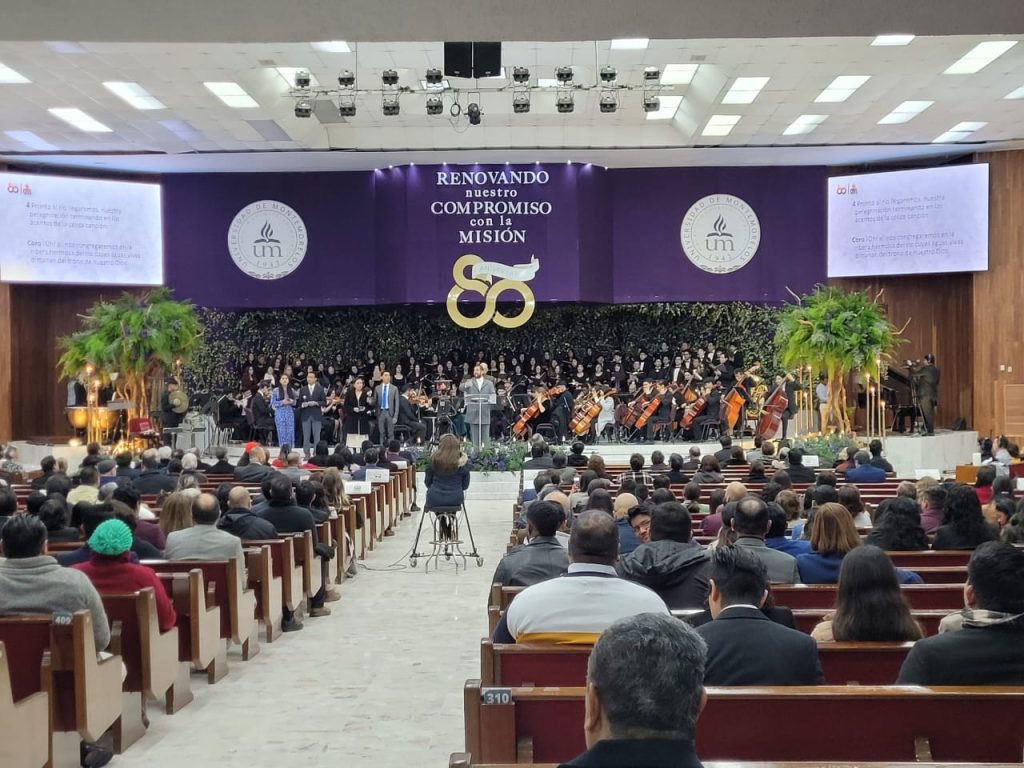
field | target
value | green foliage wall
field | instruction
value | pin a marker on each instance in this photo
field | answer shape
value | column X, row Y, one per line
column 389, row 331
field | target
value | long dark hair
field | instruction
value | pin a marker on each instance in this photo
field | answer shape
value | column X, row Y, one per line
column 963, row 513
column 898, row 526
column 869, row 603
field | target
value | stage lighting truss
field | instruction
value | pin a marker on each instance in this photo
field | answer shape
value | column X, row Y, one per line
column 605, row 83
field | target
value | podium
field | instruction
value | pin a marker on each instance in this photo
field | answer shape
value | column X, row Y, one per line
column 480, row 399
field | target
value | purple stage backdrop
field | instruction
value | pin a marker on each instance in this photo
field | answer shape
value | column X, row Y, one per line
column 563, row 232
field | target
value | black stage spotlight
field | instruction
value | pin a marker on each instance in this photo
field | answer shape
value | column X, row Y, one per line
column 347, row 107
column 389, row 77
column 651, row 103
column 651, row 73
column 303, row 108
column 302, row 78
column 608, row 102
column 433, row 76
column 435, row 105
column 347, row 78
column 389, row 106
column 565, row 103
column 521, row 102
column 608, row 74
column 473, row 110
column 521, row 75
column 563, row 75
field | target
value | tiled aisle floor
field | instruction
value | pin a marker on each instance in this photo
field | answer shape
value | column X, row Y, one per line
column 378, row 683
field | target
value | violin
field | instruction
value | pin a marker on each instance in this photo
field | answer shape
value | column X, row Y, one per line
column 771, row 419
column 735, row 400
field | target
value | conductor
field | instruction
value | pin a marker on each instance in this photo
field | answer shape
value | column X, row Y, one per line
column 478, row 414
column 926, row 381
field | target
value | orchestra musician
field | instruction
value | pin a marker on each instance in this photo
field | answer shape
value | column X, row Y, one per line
column 408, row 415
column 173, row 406
column 332, row 412
column 791, row 388
column 561, row 412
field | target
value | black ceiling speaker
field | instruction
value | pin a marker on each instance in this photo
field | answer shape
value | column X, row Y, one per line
column 472, row 60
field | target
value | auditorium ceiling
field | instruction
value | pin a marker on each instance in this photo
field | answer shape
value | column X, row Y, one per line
column 781, row 100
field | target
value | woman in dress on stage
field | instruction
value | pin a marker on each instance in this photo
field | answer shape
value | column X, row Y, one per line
column 357, row 413
column 282, row 400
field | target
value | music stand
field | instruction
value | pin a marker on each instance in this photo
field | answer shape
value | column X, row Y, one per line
column 480, row 399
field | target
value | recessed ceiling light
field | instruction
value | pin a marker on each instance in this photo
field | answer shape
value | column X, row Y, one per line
column 134, row 94
column 630, row 43
column 744, row 90
column 892, row 40
column 667, row 108
column 804, row 124
column 332, row 46
column 232, row 94
column 958, row 132
column 720, row 125
column 905, row 112
column 678, row 74
column 32, row 141
column 288, row 75
column 1017, row 94
column 842, row 88
column 79, row 120
column 9, row 77
column 979, row 57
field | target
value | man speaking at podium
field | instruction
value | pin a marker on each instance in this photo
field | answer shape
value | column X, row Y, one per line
column 478, row 413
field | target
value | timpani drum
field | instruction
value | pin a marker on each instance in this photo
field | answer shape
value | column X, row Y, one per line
column 78, row 417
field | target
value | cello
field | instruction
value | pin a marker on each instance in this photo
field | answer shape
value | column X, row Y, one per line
column 774, row 406
column 532, row 411
column 735, row 400
column 694, row 411
column 592, row 412
column 636, row 408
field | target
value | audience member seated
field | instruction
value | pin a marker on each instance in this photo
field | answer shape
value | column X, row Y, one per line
column 47, row 465
column 757, row 454
column 965, row 526
column 710, row 471
column 814, row 497
column 152, row 479
column 221, row 466
column 447, row 475
column 998, row 512
column 983, row 482
column 751, row 522
column 111, row 570
column 204, row 540
column 898, row 526
column 33, row 582
column 637, row 713
column 147, row 530
column 987, row 648
column 636, row 471
column 640, row 521
column 576, row 457
column 140, row 547
column 737, row 458
column 693, row 459
column 124, row 472
column 542, row 557
column 713, row 522
column 601, row 500
column 88, row 488
column 91, row 519
column 54, row 515
column 539, row 458
column 620, row 511
column 240, row 521
column 256, row 469
column 672, row 564
column 864, row 470
column 176, row 513
column 576, row 608
column 9, row 504
column 777, row 538
column 287, row 517
column 745, row 647
column 870, row 606
column 798, row 473
column 849, row 497
column 725, row 452
column 756, row 473
column 675, row 474
column 877, row 460
column 190, row 466
column 596, row 463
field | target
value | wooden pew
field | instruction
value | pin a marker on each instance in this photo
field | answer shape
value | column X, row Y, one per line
column 948, row 597
column 305, row 561
column 56, row 654
column 267, row 589
column 149, row 655
column 338, row 528
column 282, row 555
column 24, row 723
column 539, row 665
column 325, row 535
column 930, row 558
column 199, row 641
column 902, row 723
column 237, row 603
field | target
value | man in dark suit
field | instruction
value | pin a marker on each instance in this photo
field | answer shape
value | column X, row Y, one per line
column 926, row 379
column 152, row 479
column 407, row 416
column 798, row 473
column 877, row 459
column 864, row 471
column 745, row 647
column 387, row 398
column 539, row 457
column 262, row 416
column 312, row 401
column 986, row 649
column 639, row 714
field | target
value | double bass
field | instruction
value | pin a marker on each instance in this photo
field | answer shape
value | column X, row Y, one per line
column 735, row 400
column 771, row 418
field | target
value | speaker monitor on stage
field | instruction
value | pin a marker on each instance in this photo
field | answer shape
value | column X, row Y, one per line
column 472, row 60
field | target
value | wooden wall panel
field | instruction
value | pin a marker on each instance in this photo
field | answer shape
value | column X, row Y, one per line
column 997, row 337
column 939, row 310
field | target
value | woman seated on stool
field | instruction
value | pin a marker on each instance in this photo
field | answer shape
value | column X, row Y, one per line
column 446, row 478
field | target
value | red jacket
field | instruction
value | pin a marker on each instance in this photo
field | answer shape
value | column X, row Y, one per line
column 116, row 575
